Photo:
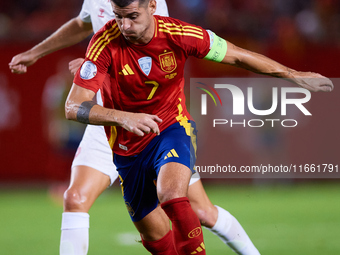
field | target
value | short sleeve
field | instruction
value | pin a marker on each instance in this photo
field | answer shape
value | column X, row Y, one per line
column 194, row 40
column 96, row 64
column 85, row 12
column 202, row 46
column 162, row 8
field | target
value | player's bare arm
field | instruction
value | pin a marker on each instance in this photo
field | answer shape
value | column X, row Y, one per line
column 261, row 64
column 81, row 106
column 68, row 34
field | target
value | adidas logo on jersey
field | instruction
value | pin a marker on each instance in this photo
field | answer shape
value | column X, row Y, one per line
column 127, row 70
column 171, row 154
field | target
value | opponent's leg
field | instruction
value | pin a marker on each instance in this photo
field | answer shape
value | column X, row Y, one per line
column 85, row 186
column 172, row 186
column 200, row 203
column 219, row 221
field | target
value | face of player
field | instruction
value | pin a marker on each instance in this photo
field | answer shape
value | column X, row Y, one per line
column 136, row 21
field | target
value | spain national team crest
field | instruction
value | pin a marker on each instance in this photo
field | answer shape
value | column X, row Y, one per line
column 168, row 62
column 145, row 64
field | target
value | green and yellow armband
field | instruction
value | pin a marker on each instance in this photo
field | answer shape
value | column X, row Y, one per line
column 218, row 47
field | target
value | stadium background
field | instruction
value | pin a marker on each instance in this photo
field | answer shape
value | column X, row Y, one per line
column 283, row 216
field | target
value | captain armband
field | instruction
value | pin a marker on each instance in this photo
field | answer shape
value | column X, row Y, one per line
column 218, row 48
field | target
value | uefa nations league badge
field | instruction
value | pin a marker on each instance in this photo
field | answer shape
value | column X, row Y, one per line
column 145, row 64
column 88, row 70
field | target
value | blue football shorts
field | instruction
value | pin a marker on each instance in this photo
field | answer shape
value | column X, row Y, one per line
column 137, row 174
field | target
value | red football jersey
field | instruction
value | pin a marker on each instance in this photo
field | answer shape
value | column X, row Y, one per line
column 143, row 78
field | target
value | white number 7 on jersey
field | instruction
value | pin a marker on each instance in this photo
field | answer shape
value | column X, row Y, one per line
column 155, row 86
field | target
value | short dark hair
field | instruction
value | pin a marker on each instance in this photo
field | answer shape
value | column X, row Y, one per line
column 124, row 3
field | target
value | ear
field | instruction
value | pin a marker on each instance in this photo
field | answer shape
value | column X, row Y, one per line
column 152, row 6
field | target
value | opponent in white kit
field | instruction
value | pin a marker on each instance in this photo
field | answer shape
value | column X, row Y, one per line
column 92, row 168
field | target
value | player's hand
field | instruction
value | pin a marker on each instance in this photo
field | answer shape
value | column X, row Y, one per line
column 74, row 65
column 141, row 123
column 20, row 62
column 313, row 81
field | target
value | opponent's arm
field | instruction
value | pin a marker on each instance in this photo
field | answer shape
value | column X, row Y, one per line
column 68, row 34
column 74, row 65
column 258, row 63
column 80, row 106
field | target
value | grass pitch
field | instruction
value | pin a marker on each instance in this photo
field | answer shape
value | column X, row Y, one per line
column 280, row 219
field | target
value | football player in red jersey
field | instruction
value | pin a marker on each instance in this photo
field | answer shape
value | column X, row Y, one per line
column 92, row 169
column 151, row 135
